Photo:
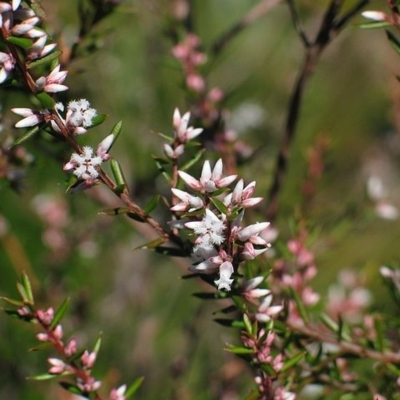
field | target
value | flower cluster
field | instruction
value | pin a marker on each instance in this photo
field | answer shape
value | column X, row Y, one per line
column 215, row 213
column 77, row 365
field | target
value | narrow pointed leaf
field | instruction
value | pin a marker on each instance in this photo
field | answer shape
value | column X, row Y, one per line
column 247, row 324
column 300, row 305
column 44, row 60
column 27, row 135
column 59, row 313
column 27, row 285
column 73, row 389
column 133, row 388
column 118, row 176
column 46, row 100
column 169, row 139
column 134, row 216
column 193, row 160
column 17, row 303
column 22, row 292
column 374, row 25
column 114, row 211
column 153, row 244
column 152, row 204
column 116, row 130
column 25, row 43
column 171, row 251
column 97, row 345
column 221, row 207
column 72, row 181
column 43, row 377
column 239, row 350
column 98, row 120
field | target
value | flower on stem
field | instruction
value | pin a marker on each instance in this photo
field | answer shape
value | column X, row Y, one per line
column 182, row 132
column 241, row 197
column 88, row 359
column 225, row 272
column 210, row 229
column 53, row 82
column 84, row 164
column 251, row 290
column 188, row 202
column 376, row 16
column 31, row 117
column 210, row 180
column 57, row 366
column 7, row 63
column 45, row 316
column 266, row 310
column 118, row 394
column 70, row 348
column 90, row 385
column 40, row 49
column 27, row 28
column 282, row 394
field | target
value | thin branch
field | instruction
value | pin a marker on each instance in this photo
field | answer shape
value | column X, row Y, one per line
column 297, row 24
column 255, row 13
column 314, row 333
column 329, row 29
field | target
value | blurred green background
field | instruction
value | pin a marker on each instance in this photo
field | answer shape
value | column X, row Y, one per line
column 152, row 325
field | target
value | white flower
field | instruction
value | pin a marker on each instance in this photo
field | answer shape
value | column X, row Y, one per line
column 182, row 132
column 266, row 311
column 31, row 117
column 79, row 113
column 53, row 82
column 210, row 229
column 188, row 202
column 84, row 165
column 7, row 63
column 225, row 272
column 210, row 180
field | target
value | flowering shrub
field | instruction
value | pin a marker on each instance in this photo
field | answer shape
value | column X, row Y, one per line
column 297, row 343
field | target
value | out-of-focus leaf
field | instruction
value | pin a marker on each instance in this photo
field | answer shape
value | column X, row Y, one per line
column 135, row 217
column 374, row 25
column 44, row 60
column 73, row 389
column 225, row 322
column 114, row 211
column 248, row 324
column 27, row 135
column 205, row 296
column 292, row 361
column 239, row 350
column 59, row 313
column 329, row 323
column 97, row 345
column 169, row 139
column 25, row 43
column 43, row 377
column 133, row 388
column 153, row 245
column 17, row 303
column 72, row 181
column 171, row 251
column 300, row 305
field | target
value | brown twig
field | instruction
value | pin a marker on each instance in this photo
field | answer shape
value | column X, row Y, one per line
column 331, row 26
column 314, row 333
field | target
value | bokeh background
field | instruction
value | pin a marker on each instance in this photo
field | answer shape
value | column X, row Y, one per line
column 152, row 326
